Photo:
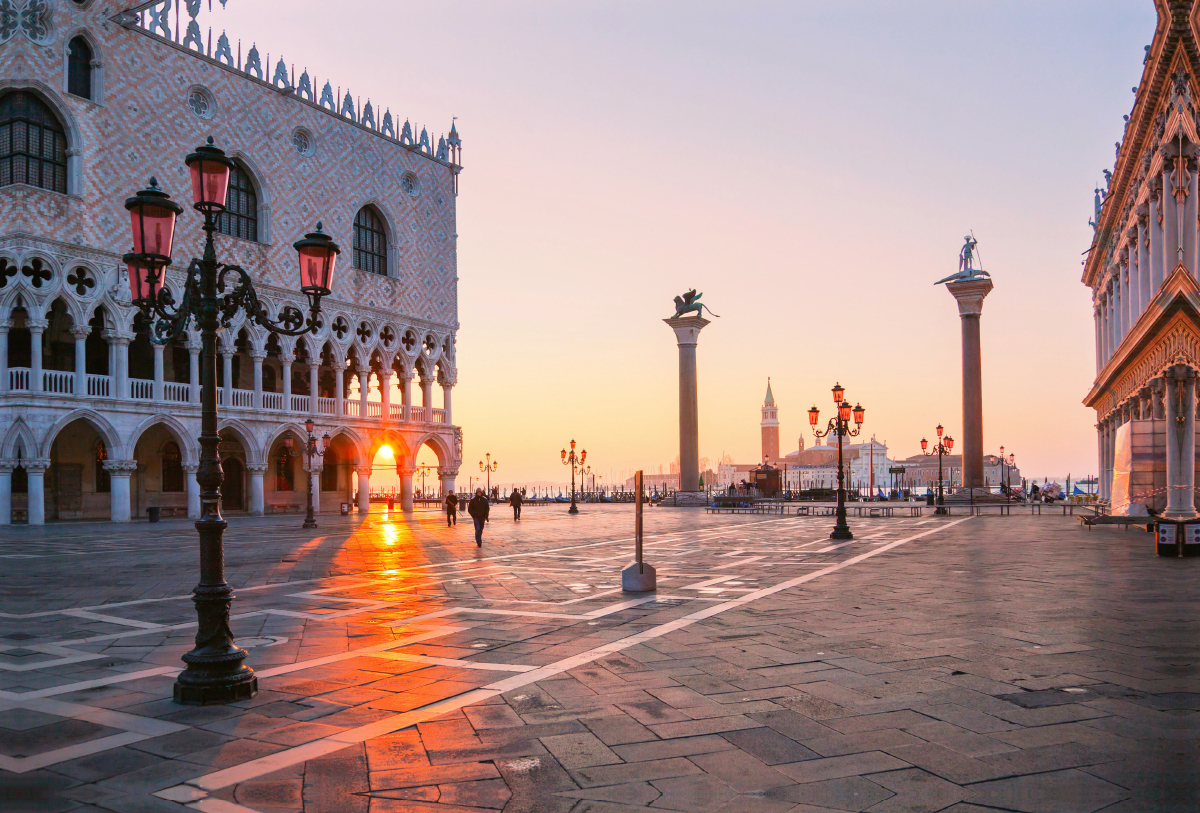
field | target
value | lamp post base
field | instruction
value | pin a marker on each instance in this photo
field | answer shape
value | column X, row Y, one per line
column 841, row 532
column 309, row 523
column 211, row 689
column 574, row 509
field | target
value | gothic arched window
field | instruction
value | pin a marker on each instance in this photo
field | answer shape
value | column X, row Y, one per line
column 370, row 242
column 79, row 68
column 285, row 474
column 33, row 144
column 329, row 471
column 172, row 468
column 240, row 218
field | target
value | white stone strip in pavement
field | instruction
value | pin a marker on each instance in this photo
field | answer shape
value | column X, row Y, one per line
column 489, row 667
column 436, row 632
column 112, row 619
column 88, row 684
column 327, row 745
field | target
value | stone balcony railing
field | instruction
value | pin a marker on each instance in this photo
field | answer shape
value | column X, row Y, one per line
column 60, row 383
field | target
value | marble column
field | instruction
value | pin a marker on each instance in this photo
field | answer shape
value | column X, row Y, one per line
column 406, row 486
column 194, row 373
column 1143, row 263
column 427, row 380
column 257, row 500
column 364, row 389
column 257, row 356
column 119, row 472
column 4, row 327
column 193, row 490
column 81, row 333
column 446, row 401
column 314, row 477
column 285, row 363
column 1099, row 348
column 158, row 394
column 339, row 394
column 36, row 328
column 385, row 394
column 1170, row 223
column 227, row 376
column 687, row 334
column 970, row 294
column 364, row 488
column 1181, row 443
column 1155, row 249
column 6, row 470
column 121, row 377
column 1189, row 220
column 447, row 475
column 35, row 470
column 314, row 380
column 406, row 396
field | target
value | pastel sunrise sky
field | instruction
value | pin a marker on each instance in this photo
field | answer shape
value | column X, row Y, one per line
column 811, row 166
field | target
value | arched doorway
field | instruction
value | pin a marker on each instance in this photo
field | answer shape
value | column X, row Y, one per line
column 160, row 480
column 232, row 453
column 284, row 488
column 78, row 486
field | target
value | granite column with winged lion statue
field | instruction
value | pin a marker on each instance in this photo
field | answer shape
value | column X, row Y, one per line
column 687, row 323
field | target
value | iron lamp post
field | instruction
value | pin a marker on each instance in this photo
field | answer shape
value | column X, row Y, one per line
column 212, row 294
column 490, row 466
column 1010, row 461
column 310, row 448
column 942, row 448
column 576, row 464
column 840, row 425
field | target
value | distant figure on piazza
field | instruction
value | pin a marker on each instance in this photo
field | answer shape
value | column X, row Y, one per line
column 514, row 500
column 478, row 508
column 451, row 505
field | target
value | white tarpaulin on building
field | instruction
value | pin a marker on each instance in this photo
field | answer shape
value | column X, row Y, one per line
column 1122, row 482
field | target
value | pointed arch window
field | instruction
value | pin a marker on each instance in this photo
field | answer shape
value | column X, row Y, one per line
column 329, row 470
column 79, row 68
column 240, row 218
column 33, row 144
column 370, row 242
column 172, row 468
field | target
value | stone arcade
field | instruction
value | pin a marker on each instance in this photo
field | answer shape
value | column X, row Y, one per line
column 97, row 422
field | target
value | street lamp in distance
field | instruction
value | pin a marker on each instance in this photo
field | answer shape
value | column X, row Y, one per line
column 490, row 466
column 839, row 424
column 576, row 464
column 942, row 448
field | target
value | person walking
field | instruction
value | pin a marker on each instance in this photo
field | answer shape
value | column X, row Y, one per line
column 451, row 506
column 478, row 508
column 515, row 501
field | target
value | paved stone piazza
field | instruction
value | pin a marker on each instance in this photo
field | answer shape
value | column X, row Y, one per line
column 934, row 663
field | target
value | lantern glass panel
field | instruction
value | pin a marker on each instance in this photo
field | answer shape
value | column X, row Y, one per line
column 838, row 392
column 949, row 443
column 939, row 430
column 859, row 413
column 844, row 411
column 210, row 183
column 924, row 444
column 153, row 229
column 145, row 280
column 814, row 415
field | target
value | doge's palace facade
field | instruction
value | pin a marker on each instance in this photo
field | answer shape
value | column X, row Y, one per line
column 97, row 96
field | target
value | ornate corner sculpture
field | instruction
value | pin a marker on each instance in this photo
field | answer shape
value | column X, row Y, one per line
column 690, row 303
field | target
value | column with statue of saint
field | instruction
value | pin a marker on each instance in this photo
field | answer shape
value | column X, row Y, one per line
column 687, row 323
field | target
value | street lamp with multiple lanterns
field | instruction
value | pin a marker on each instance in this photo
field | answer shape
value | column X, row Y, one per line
column 212, row 294
column 310, row 448
column 840, row 425
column 942, row 448
column 490, row 466
column 576, row 463
column 1009, row 461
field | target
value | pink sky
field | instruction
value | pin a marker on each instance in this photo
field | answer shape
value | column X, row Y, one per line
column 812, row 167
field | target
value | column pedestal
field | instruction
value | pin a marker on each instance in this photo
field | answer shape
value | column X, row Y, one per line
column 970, row 294
column 193, row 490
column 687, row 333
column 257, row 501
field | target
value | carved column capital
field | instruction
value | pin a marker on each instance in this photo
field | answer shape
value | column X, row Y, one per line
column 120, row 468
column 36, row 464
column 257, row 468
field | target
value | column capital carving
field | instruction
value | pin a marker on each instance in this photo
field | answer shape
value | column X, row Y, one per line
column 447, row 471
column 8, row 464
column 191, row 468
column 364, row 369
column 315, row 467
column 687, row 328
column 406, row 471
column 363, row 470
column 257, row 468
column 258, row 355
column 120, row 468
column 81, row 331
column 35, row 464
column 119, row 337
column 287, row 358
column 970, row 295
column 36, row 325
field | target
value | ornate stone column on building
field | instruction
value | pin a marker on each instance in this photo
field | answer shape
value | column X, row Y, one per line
column 687, row 333
column 969, row 293
column 1181, row 443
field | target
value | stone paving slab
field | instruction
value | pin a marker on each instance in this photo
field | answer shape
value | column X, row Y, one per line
column 990, row 663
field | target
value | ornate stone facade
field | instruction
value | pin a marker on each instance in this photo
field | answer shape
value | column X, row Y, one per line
column 73, row 357
column 1142, row 269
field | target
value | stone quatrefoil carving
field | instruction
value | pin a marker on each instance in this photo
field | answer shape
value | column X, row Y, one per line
column 37, row 272
column 7, row 270
column 409, row 341
column 364, row 332
column 387, row 335
column 340, row 327
column 81, row 278
column 430, row 345
column 31, row 18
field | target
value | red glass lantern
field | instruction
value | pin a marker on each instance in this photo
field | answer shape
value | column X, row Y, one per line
column 844, row 411
column 1012, row 459
column 583, row 456
column 949, row 443
column 572, row 445
column 924, row 444
column 838, row 392
column 859, row 413
column 564, row 455
column 318, row 255
column 152, row 216
column 814, row 415
column 325, row 442
column 308, row 425
column 287, row 442
column 145, row 278
column 210, row 177
column 939, row 430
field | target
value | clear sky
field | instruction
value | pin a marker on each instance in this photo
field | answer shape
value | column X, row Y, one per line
column 811, row 166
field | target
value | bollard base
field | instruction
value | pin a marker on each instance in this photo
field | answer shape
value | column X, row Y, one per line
column 639, row 578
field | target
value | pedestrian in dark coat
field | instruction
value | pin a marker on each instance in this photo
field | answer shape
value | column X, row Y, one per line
column 515, row 501
column 451, row 505
column 478, row 508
